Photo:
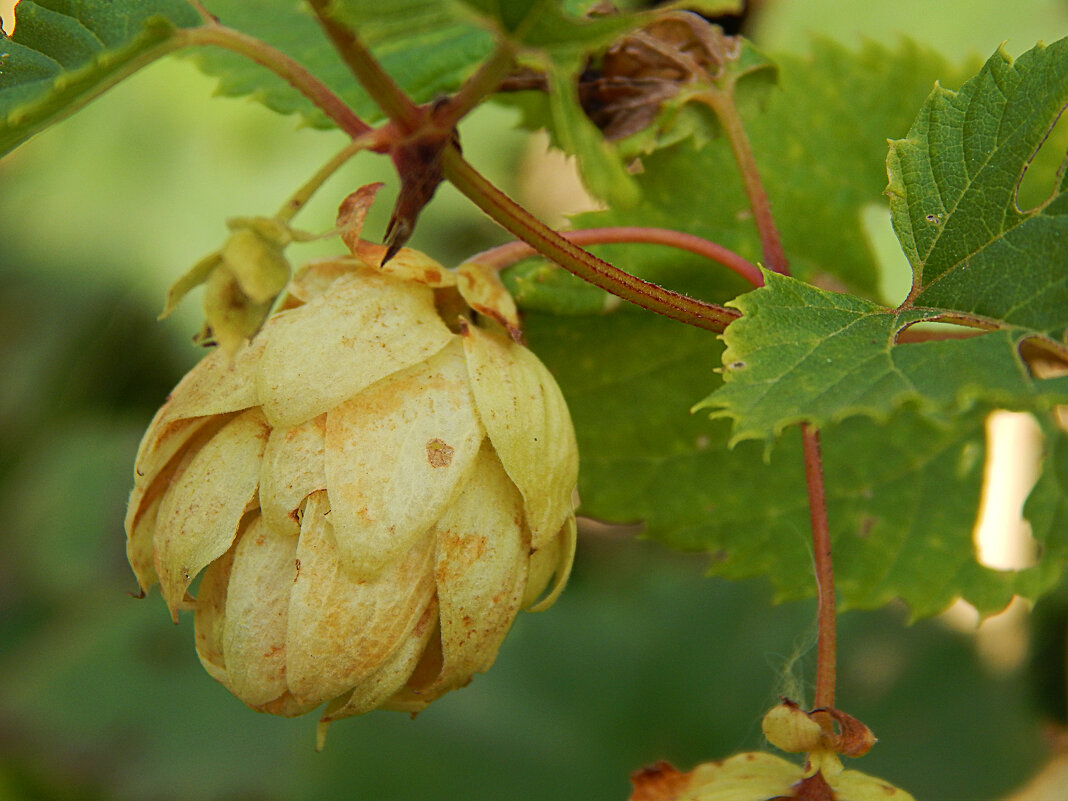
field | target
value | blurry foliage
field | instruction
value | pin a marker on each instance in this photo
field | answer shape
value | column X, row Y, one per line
column 642, row 659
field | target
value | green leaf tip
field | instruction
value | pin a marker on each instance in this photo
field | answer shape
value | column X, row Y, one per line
column 953, row 184
column 63, row 53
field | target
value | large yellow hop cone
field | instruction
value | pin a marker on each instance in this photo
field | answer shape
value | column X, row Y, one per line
column 370, row 490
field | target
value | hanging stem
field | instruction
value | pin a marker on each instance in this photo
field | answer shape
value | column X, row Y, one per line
column 500, row 257
column 521, row 223
column 280, row 64
column 376, row 81
column 299, row 198
column 826, row 613
column 721, row 102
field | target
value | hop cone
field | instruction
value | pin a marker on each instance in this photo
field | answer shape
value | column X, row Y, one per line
column 369, row 490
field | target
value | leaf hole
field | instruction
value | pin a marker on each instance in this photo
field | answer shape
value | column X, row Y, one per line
column 933, row 331
column 1043, row 357
column 895, row 273
column 1043, row 176
column 1001, row 535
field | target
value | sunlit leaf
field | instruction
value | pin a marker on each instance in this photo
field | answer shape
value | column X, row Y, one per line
column 64, row 53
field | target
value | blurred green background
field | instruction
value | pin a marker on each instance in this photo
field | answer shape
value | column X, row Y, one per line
column 642, row 659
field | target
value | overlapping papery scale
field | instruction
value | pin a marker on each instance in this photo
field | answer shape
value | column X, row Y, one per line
column 370, row 491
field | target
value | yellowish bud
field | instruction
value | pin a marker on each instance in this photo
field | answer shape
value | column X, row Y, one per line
column 790, row 729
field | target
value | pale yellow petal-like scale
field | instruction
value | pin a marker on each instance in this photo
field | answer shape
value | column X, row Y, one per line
column 480, row 569
column 408, row 265
column 161, row 442
column 257, row 604
column 201, row 511
column 852, row 785
column 218, row 384
column 389, row 678
column 316, row 278
column 752, row 776
column 140, row 550
column 294, row 466
column 556, row 561
column 396, row 455
column 527, row 421
column 340, row 630
column 418, row 268
column 481, row 287
column 210, row 616
column 324, row 352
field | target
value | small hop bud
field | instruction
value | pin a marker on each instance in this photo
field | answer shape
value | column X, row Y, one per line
column 790, row 729
column 241, row 281
column 370, row 490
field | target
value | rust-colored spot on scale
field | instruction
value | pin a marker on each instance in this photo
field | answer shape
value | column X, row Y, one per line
column 438, row 453
column 659, row 782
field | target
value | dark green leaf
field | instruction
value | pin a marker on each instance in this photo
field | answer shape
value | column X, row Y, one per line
column 66, row 52
column 902, row 497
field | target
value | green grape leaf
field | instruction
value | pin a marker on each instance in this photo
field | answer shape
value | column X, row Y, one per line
column 902, row 497
column 820, row 146
column 64, row 53
column 953, row 186
column 802, row 354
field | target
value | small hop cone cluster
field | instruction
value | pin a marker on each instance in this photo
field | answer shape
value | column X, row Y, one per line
column 759, row 776
column 372, row 488
column 242, row 280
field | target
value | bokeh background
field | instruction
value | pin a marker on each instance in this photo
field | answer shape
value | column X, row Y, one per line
column 642, row 659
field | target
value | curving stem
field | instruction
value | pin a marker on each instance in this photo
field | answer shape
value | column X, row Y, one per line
column 375, row 80
column 504, row 255
column 522, row 224
column 280, row 64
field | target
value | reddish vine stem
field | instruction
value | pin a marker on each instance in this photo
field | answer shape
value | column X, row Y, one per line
column 722, row 103
column 378, row 83
column 519, row 222
column 280, row 64
column 504, row 255
column 826, row 614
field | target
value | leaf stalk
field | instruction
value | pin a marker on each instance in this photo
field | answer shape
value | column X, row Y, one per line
column 504, row 255
column 721, row 101
column 282, row 65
